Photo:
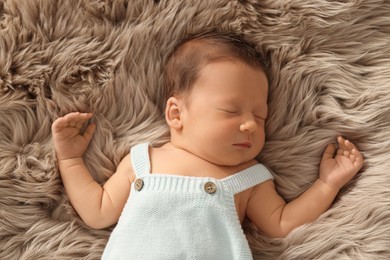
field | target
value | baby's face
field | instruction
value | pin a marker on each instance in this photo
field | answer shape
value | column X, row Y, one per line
column 224, row 118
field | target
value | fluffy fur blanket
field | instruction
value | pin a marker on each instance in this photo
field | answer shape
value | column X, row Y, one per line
column 329, row 67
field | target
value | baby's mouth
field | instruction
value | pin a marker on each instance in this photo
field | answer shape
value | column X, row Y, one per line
column 243, row 145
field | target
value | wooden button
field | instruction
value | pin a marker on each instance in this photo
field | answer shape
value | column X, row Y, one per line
column 139, row 184
column 210, row 187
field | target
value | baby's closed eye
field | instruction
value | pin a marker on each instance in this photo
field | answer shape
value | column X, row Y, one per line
column 230, row 111
column 261, row 117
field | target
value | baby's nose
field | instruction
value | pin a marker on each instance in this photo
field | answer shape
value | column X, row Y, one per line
column 248, row 126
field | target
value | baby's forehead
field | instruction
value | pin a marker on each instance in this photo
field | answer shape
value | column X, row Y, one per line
column 225, row 63
column 206, row 54
column 231, row 71
column 205, row 51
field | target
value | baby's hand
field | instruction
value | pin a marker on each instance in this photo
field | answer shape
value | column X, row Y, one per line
column 69, row 142
column 338, row 168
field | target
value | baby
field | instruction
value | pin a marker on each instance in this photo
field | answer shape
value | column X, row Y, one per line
column 188, row 198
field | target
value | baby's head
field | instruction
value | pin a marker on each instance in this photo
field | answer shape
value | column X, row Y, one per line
column 193, row 53
column 217, row 99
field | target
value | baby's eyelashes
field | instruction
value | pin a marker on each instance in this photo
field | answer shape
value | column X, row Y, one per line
column 229, row 112
column 232, row 112
column 261, row 117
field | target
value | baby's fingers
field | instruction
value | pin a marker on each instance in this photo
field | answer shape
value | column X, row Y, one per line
column 348, row 149
column 82, row 119
column 77, row 119
column 329, row 152
column 89, row 131
column 357, row 158
column 345, row 144
column 74, row 119
column 71, row 120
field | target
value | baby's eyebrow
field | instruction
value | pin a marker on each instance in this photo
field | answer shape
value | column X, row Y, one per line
column 230, row 102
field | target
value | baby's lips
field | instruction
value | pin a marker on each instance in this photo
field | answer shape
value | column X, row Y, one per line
column 243, row 145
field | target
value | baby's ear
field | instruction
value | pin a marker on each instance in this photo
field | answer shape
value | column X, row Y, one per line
column 173, row 113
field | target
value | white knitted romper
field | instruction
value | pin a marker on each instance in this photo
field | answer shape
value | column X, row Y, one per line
column 181, row 217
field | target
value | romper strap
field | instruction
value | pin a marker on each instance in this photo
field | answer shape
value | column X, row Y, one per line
column 248, row 178
column 140, row 159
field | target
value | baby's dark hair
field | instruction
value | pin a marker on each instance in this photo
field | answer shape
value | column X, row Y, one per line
column 193, row 53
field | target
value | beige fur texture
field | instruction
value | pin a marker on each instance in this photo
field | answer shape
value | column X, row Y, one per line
column 329, row 69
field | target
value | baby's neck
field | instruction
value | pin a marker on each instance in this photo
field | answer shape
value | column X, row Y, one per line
column 175, row 160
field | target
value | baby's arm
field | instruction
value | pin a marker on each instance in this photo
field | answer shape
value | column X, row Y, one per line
column 270, row 213
column 98, row 206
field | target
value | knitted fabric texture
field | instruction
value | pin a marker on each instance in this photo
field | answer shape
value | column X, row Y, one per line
column 175, row 217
